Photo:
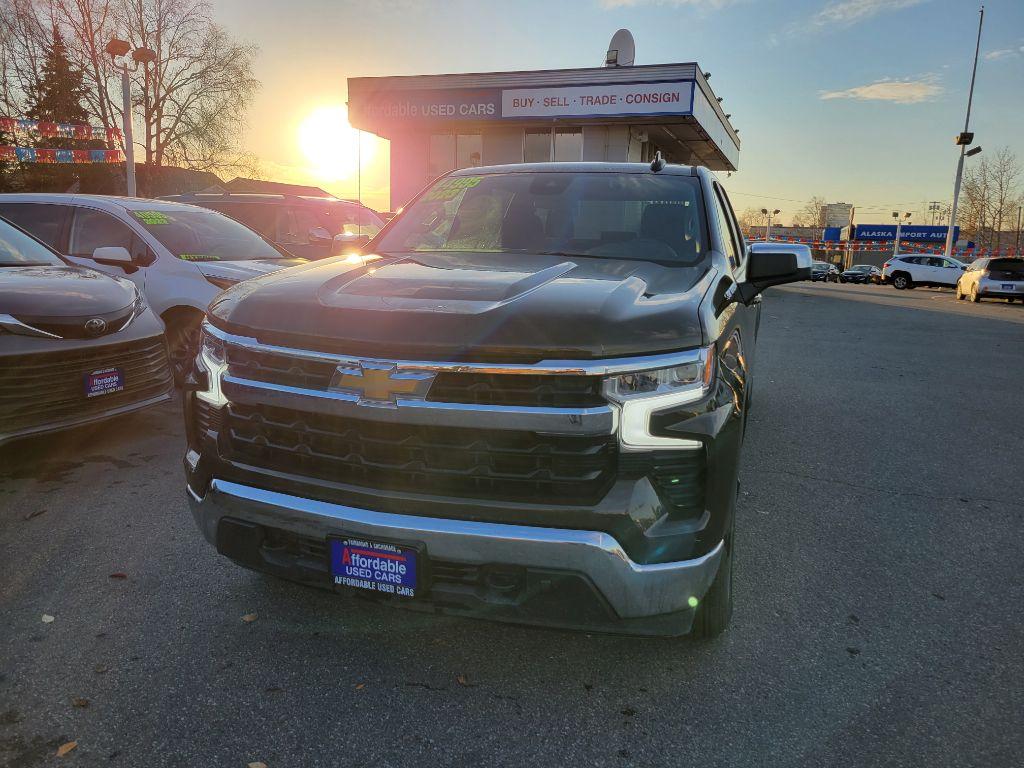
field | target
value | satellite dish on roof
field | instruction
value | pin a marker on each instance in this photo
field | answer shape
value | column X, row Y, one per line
column 621, row 50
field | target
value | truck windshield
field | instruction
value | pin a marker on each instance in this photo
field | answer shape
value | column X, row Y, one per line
column 605, row 215
column 201, row 235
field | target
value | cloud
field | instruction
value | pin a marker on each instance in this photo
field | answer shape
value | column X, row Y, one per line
column 1004, row 53
column 847, row 12
column 896, row 91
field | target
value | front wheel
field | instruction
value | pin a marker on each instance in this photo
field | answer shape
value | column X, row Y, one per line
column 900, row 282
column 182, row 346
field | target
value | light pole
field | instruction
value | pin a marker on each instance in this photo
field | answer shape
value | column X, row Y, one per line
column 119, row 49
column 1016, row 240
column 768, row 228
column 962, row 141
column 899, row 224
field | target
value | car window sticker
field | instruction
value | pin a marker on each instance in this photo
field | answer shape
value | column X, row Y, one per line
column 152, row 217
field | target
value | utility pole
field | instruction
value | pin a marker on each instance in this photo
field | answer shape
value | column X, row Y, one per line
column 963, row 140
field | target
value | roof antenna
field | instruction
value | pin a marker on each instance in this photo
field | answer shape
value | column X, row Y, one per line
column 658, row 162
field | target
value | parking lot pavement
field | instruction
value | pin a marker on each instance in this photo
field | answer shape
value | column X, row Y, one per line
column 878, row 621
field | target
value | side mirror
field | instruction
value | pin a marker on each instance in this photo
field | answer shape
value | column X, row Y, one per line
column 774, row 264
column 348, row 243
column 319, row 236
column 115, row 255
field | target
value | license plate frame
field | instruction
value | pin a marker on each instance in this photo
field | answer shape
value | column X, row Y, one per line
column 104, row 381
column 375, row 566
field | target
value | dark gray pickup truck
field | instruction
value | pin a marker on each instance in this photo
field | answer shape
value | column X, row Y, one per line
column 525, row 401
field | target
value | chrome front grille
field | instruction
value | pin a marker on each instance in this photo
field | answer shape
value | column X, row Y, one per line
column 463, row 387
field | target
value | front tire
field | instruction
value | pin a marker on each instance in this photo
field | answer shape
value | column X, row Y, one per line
column 901, row 282
column 182, row 345
column 715, row 610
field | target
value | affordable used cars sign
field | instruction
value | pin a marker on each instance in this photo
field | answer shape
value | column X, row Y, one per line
column 464, row 104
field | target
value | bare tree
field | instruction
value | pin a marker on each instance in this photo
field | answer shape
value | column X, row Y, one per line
column 26, row 28
column 751, row 217
column 810, row 215
column 990, row 197
column 195, row 94
column 89, row 26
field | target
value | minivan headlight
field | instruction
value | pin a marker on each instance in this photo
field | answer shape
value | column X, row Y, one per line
column 639, row 394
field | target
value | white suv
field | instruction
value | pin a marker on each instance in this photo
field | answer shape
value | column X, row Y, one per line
column 179, row 256
column 906, row 271
column 1001, row 278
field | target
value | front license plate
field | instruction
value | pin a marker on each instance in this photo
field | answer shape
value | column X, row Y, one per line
column 104, row 381
column 377, row 566
column 1009, row 287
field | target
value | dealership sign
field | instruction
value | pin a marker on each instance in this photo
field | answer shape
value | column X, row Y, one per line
column 619, row 100
column 599, row 100
column 911, row 232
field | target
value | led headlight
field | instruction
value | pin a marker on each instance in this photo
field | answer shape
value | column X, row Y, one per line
column 641, row 393
column 213, row 358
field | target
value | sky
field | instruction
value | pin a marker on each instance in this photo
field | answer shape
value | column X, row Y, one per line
column 851, row 100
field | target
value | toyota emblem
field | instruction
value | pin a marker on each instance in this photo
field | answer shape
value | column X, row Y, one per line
column 95, row 326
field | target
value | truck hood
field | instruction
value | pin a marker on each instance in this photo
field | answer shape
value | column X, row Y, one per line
column 496, row 307
column 61, row 292
column 243, row 270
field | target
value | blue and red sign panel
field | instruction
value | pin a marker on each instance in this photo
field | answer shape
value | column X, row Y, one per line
column 375, row 566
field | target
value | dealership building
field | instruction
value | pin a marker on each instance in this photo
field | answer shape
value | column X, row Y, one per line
column 436, row 123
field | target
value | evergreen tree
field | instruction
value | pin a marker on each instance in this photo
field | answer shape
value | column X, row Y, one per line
column 57, row 95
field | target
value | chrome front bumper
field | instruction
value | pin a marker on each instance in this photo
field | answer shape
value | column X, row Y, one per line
column 631, row 589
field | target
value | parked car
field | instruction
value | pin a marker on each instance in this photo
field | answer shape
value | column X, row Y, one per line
column 76, row 346
column 992, row 277
column 906, row 271
column 526, row 402
column 310, row 227
column 179, row 256
column 819, row 271
column 861, row 273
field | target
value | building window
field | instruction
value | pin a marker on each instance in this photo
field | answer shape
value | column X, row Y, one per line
column 537, row 146
column 568, row 144
column 441, row 154
column 469, row 149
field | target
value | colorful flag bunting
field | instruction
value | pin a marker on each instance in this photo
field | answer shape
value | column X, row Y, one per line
column 65, row 130
column 42, row 155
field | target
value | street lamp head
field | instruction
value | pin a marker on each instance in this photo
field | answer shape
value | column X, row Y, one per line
column 895, row 214
column 764, row 211
column 118, row 47
column 776, row 211
column 972, row 152
column 144, row 55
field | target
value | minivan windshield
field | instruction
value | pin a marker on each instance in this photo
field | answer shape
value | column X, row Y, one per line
column 202, row 235
column 19, row 250
column 605, row 215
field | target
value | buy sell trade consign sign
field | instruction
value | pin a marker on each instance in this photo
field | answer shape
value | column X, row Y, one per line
column 616, row 100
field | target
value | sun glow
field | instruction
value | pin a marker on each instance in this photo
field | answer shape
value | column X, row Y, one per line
column 331, row 145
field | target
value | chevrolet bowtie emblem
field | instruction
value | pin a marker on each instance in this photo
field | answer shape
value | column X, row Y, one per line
column 381, row 384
